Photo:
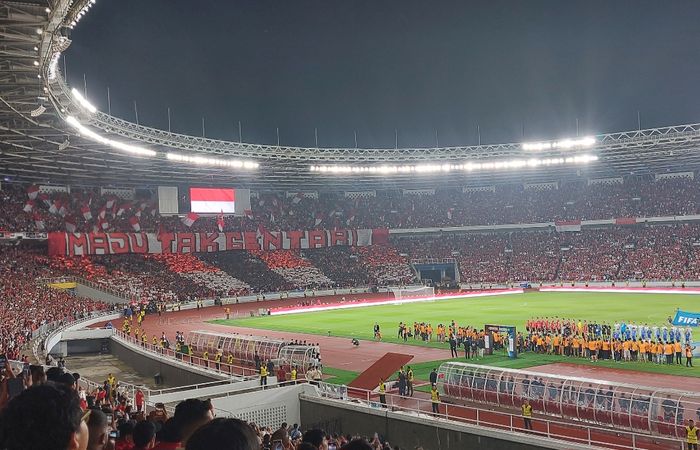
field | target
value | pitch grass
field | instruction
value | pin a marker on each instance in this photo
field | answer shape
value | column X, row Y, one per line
column 502, row 310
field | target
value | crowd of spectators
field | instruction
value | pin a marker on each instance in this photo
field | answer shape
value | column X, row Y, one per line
column 248, row 268
column 198, row 272
column 340, row 264
column 133, row 276
column 86, row 210
column 294, row 268
column 385, row 265
column 26, row 304
column 627, row 253
column 53, row 411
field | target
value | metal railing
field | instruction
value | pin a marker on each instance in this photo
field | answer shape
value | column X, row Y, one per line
column 220, row 368
column 566, row 431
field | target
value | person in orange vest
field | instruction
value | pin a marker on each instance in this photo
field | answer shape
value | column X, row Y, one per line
column 668, row 351
column 689, row 355
column 678, row 348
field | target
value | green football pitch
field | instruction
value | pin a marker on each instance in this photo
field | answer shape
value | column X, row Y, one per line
column 652, row 309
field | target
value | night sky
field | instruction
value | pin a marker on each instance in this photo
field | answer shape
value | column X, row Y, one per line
column 510, row 67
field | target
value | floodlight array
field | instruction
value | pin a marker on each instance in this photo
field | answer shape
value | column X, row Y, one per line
column 88, row 133
column 81, row 13
column 465, row 167
column 566, row 144
column 201, row 160
column 83, row 101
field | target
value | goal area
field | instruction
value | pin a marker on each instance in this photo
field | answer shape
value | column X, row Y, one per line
column 403, row 292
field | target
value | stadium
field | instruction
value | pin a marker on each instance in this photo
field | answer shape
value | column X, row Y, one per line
column 176, row 290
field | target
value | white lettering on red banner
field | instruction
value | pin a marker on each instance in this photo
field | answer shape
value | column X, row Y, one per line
column 76, row 244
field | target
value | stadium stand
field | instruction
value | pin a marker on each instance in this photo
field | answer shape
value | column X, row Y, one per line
column 87, row 211
column 248, row 268
column 295, row 269
column 27, row 304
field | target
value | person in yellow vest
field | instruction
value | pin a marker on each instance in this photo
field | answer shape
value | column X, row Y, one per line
column 136, row 334
column 409, row 382
column 144, row 339
column 263, row 375
column 689, row 355
column 228, row 313
column 527, row 414
column 678, row 348
column 382, row 392
column 155, row 341
column 293, row 375
column 229, row 361
column 435, row 399
column 691, row 434
column 217, row 359
column 205, row 357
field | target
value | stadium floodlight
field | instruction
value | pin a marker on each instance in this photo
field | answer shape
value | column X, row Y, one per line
column 88, row 133
column 565, row 144
column 466, row 166
column 83, row 101
column 202, row 160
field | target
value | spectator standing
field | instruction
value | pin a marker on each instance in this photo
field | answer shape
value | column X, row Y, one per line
column 527, row 414
column 435, row 399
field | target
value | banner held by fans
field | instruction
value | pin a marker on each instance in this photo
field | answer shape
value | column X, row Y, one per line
column 77, row 244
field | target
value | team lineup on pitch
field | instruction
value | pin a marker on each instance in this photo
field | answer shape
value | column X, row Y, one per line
column 652, row 310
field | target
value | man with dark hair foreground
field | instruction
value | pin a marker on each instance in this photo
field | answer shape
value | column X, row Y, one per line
column 224, row 434
column 99, row 430
column 144, row 435
column 191, row 414
column 317, row 438
column 46, row 417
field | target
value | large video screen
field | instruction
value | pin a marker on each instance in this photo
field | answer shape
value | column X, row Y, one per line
column 213, row 200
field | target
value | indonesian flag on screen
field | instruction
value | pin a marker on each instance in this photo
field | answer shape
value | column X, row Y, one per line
column 135, row 223
column 213, row 200
column 189, row 219
column 220, row 221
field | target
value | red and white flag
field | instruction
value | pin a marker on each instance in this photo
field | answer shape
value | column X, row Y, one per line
column 318, row 219
column 110, row 203
column 103, row 213
column 449, row 213
column 29, row 206
column 213, row 200
column 189, row 219
column 33, row 191
column 121, row 209
column 260, row 231
column 220, row 221
column 39, row 222
column 135, row 223
column 56, row 206
column 102, row 224
column 70, row 225
column 85, row 211
column 249, row 213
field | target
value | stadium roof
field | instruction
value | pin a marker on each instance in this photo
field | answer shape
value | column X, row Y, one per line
column 38, row 144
